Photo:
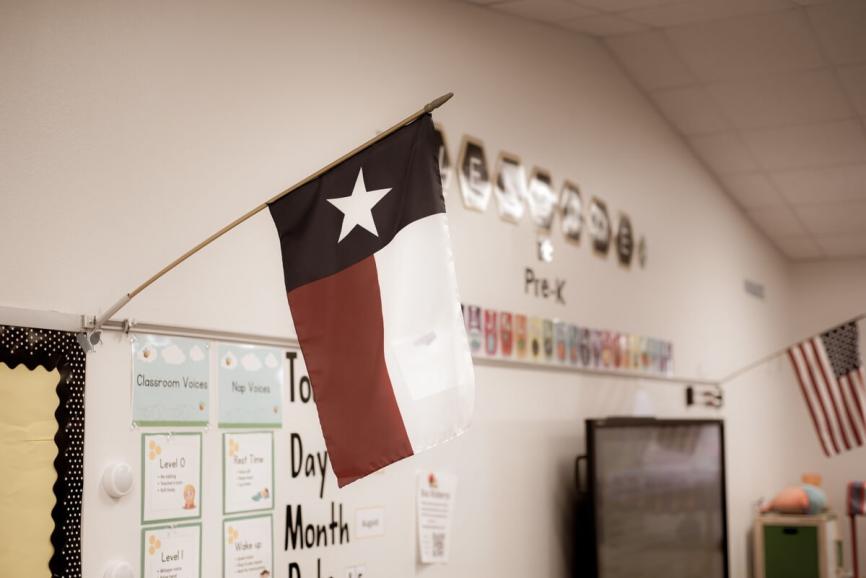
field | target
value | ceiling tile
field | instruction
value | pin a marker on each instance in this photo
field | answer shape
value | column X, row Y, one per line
column 810, row 145
column 854, row 81
column 799, row 247
column 691, row 110
column 777, row 222
column 622, row 5
column 747, row 47
column 723, row 153
column 543, row 10
column 702, row 11
column 840, row 246
column 799, row 98
column 831, row 185
column 603, row 25
column 833, row 218
column 841, row 29
column 752, row 190
column 650, row 60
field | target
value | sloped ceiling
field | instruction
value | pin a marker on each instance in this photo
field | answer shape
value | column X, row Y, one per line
column 770, row 94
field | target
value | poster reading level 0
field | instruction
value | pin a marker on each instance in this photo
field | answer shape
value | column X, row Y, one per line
column 248, row 547
column 171, row 552
column 248, row 471
column 171, row 477
column 435, row 506
column 250, row 386
column 170, row 379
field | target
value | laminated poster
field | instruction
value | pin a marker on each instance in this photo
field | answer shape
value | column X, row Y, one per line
column 248, row 472
column 171, row 477
column 170, row 381
column 490, row 333
column 171, row 551
column 250, row 386
column 436, row 492
column 506, row 334
column 248, row 547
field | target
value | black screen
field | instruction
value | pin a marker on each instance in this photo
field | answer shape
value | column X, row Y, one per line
column 659, row 500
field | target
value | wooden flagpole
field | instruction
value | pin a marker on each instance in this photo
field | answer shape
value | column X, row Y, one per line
column 121, row 303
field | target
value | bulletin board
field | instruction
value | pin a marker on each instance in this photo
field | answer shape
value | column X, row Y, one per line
column 42, row 374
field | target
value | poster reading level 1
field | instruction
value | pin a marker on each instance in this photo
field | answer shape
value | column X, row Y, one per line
column 171, row 552
column 248, row 547
column 435, row 507
column 170, row 378
column 250, row 386
column 171, row 476
column 248, row 467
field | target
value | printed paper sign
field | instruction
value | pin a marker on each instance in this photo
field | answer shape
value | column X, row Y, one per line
column 171, row 477
column 250, row 386
column 248, row 467
column 170, row 380
column 369, row 522
column 435, row 506
column 248, row 547
column 171, row 552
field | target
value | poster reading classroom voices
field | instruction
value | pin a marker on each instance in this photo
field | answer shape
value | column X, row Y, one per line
column 248, row 472
column 248, row 547
column 435, row 507
column 170, row 379
column 171, row 552
column 250, row 386
column 171, row 477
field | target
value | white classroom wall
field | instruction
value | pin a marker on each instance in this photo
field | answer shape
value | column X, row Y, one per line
column 132, row 131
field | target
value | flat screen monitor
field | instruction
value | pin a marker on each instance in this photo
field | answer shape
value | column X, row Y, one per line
column 657, row 491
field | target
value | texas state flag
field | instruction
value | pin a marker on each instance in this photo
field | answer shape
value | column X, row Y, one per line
column 371, row 286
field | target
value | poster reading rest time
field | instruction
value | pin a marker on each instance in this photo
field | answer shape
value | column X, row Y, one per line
column 170, row 380
column 171, row 477
column 248, row 472
column 171, row 552
column 250, row 386
column 248, row 547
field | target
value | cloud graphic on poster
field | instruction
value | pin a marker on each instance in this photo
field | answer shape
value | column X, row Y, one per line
column 271, row 361
column 147, row 354
column 196, row 354
column 173, row 355
column 251, row 362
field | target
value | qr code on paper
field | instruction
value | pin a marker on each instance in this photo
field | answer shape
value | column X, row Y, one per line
column 438, row 544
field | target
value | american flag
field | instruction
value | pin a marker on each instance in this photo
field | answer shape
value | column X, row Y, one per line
column 830, row 373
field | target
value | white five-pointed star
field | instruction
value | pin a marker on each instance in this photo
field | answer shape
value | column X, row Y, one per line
column 357, row 208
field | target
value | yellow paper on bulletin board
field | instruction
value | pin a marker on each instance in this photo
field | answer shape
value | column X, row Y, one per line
column 28, row 400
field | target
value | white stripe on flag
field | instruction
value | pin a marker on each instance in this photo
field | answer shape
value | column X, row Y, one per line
column 834, row 411
column 813, row 401
column 847, row 407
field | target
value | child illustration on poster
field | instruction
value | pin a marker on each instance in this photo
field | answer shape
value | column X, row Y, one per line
column 573, row 344
column 520, row 337
column 561, row 334
column 473, row 327
column 505, row 334
column 490, row 333
column 585, row 347
column 535, row 338
column 548, row 340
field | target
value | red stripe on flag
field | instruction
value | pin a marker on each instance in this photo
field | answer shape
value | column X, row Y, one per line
column 854, row 378
column 808, row 402
column 830, row 382
column 339, row 324
column 815, row 387
column 852, row 391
